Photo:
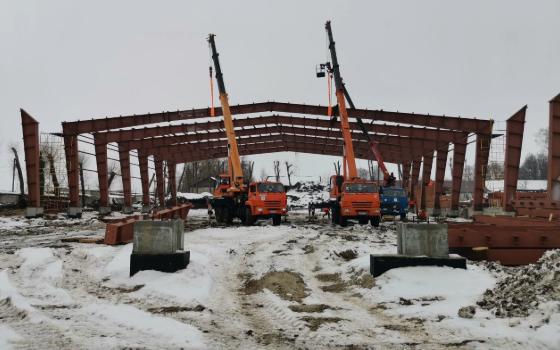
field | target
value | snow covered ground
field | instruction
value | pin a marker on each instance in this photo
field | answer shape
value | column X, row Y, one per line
column 304, row 284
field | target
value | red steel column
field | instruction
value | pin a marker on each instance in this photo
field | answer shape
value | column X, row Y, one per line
column 30, row 128
column 426, row 172
column 514, row 140
column 171, row 173
column 160, row 182
column 554, row 150
column 124, row 160
column 406, row 175
column 441, row 163
column 480, row 165
column 101, row 160
column 414, row 177
column 144, row 177
column 71, row 151
column 459, row 150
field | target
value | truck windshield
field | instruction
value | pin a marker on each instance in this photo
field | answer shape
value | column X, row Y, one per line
column 270, row 187
column 393, row 192
column 360, row 188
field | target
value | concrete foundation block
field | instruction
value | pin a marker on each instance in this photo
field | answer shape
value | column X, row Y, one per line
column 160, row 262
column 380, row 264
column 158, row 237
column 145, row 209
column 104, row 210
column 74, row 212
column 127, row 210
column 33, row 212
column 427, row 239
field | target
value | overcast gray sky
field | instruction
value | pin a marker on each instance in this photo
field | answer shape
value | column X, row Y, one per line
column 67, row 60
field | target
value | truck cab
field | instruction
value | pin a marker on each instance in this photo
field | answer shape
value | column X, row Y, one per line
column 354, row 199
column 394, row 201
column 265, row 199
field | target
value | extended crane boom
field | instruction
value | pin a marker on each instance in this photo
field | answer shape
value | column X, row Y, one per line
column 349, row 157
column 234, row 161
column 340, row 86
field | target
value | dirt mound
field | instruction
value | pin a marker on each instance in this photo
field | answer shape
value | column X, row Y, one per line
column 522, row 291
column 286, row 284
column 309, row 307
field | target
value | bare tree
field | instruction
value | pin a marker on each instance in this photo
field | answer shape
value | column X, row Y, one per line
column 20, row 176
column 247, row 167
column 82, row 160
column 337, row 168
column 263, row 175
column 113, row 166
column 363, row 173
column 277, row 170
column 541, row 138
column 289, row 172
column 468, row 173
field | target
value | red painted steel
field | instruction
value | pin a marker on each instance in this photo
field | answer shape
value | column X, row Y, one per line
column 72, row 166
column 515, row 126
column 459, row 151
column 426, row 172
column 124, row 160
column 172, row 180
column 414, row 178
column 554, row 150
column 177, row 212
column 445, row 122
column 144, row 177
column 406, row 175
column 102, row 177
column 482, row 153
column 514, row 221
column 441, row 162
column 30, row 128
column 160, row 181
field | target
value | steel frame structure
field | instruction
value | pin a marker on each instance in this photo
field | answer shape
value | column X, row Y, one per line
column 410, row 145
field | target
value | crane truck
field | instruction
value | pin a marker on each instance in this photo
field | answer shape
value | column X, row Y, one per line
column 351, row 197
column 232, row 197
column 393, row 200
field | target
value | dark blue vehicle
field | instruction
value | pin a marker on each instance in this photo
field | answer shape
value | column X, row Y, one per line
column 394, row 201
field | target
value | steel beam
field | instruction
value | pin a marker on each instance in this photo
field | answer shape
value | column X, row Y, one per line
column 554, row 150
column 144, row 179
column 483, row 140
column 72, row 164
column 515, row 126
column 101, row 160
column 459, row 151
column 172, row 179
column 426, row 172
column 30, row 128
column 441, row 163
column 160, row 181
column 124, row 160
column 414, row 178
column 406, row 175
column 444, row 122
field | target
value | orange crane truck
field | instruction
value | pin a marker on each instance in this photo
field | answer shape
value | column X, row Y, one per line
column 351, row 197
column 232, row 197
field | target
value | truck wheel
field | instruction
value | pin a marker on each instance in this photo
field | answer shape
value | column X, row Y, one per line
column 335, row 215
column 249, row 218
column 363, row 221
column 276, row 219
column 403, row 217
column 219, row 212
column 343, row 221
column 228, row 216
column 375, row 221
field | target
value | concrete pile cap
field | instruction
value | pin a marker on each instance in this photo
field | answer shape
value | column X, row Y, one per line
column 158, row 237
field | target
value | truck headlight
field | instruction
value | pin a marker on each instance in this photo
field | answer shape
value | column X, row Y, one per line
column 346, row 210
column 260, row 209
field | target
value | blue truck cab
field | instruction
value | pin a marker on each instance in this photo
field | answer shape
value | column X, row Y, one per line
column 394, row 201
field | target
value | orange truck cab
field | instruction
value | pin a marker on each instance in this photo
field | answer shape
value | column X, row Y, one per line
column 259, row 200
column 354, row 199
column 266, row 200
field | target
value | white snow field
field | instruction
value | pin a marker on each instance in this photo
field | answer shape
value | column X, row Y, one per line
column 301, row 285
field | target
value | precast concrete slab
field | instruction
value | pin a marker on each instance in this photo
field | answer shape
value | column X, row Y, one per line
column 429, row 239
column 381, row 263
column 104, row 210
column 158, row 237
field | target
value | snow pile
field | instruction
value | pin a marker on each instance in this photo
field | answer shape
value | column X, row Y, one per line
column 429, row 290
column 303, row 193
column 523, row 291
